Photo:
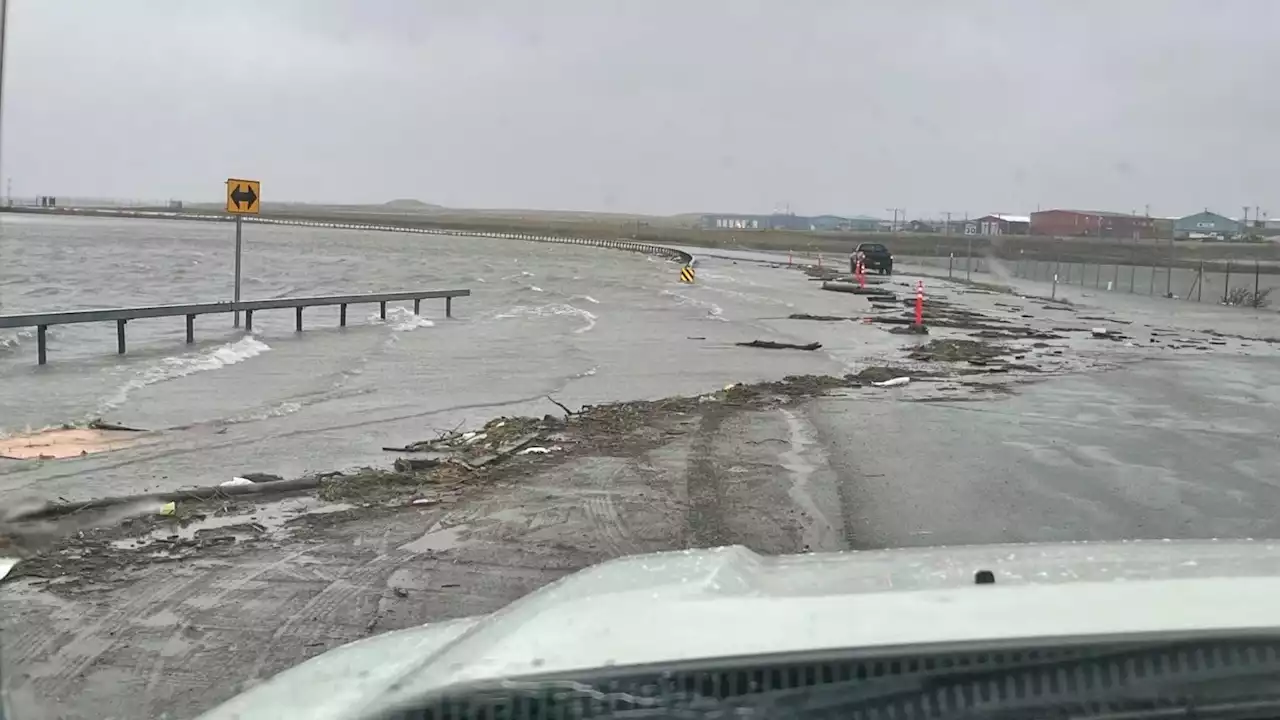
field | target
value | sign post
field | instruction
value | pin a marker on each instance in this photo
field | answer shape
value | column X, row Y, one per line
column 242, row 199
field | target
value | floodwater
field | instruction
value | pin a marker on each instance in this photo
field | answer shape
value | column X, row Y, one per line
column 521, row 291
column 581, row 324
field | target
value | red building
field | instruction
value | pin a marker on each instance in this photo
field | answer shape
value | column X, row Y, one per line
column 1091, row 223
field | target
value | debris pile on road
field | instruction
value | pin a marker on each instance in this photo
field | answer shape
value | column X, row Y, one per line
column 772, row 345
column 883, row 373
column 846, row 287
column 825, row 272
column 823, row 318
column 957, row 350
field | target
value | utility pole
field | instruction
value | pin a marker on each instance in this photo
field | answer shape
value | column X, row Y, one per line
column 894, row 226
column 4, row 50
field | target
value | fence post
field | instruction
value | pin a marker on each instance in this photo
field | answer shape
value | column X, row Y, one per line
column 1152, row 289
column 968, row 260
column 951, row 261
column 1133, row 271
column 1226, row 285
column 1097, row 279
column 1200, row 281
column 1255, row 283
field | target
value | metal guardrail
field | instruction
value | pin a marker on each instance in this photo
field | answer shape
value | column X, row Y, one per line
column 42, row 320
column 121, row 316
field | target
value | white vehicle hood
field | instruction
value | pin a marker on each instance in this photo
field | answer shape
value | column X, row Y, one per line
column 729, row 601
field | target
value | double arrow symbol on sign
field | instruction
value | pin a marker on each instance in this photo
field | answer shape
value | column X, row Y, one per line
column 244, row 197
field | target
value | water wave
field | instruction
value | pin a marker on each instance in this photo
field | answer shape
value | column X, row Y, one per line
column 714, row 311
column 12, row 341
column 401, row 319
column 554, row 309
column 172, row 368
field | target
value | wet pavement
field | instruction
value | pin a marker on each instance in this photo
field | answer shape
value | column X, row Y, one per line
column 1168, row 431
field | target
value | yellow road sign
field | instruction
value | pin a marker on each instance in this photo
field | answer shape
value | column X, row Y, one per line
column 243, row 196
column 686, row 274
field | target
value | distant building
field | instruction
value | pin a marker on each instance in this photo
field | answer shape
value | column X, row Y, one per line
column 787, row 221
column 1092, row 223
column 734, row 222
column 828, row 223
column 1205, row 224
column 861, row 223
column 1001, row 224
column 777, row 221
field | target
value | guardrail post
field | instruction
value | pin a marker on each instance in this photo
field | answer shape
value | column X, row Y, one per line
column 248, row 321
column 299, row 318
column 342, row 315
column 382, row 309
column 417, row 305
column 120, row 336
column 191, row 329
column 42, row 333
column 448, row 307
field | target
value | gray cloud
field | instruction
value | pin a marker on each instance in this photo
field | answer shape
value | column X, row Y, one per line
column 657, row 106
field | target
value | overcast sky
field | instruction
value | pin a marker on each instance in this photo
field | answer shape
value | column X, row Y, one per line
column 660, row 106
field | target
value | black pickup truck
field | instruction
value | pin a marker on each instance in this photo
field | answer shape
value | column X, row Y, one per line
column 874, row 257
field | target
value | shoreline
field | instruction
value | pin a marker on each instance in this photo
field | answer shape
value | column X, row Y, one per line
column 1188, row 255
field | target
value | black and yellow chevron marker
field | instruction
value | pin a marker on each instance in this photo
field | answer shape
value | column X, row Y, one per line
column 686, row 274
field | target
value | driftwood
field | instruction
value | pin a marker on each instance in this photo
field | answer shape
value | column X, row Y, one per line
column 406, row 465
column 771, row 345
column 501, row 452
column 857, row 289
column 100, row 425
column 53, row 510
column 557, row 403
column 825, row 318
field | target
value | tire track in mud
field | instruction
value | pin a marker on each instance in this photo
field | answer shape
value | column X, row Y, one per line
column 318, row 611
column 704, row 521
column 622, row 532
column 162, row 593
column 607, row 524
column 93, row 635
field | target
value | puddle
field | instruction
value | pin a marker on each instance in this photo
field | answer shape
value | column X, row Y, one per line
column 437, row 539
column 264, row 519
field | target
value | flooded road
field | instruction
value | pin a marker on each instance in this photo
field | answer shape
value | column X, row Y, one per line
column 1162, row 428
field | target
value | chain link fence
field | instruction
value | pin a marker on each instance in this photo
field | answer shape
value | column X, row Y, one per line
column 1228, row 282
